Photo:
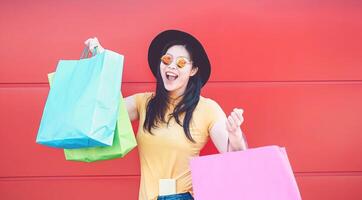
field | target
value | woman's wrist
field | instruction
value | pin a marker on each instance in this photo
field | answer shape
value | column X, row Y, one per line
column 237, row 142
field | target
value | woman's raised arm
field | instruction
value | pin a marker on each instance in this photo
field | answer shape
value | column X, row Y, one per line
column 131, row 107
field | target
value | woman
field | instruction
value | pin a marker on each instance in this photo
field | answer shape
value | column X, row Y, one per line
column 175, row 121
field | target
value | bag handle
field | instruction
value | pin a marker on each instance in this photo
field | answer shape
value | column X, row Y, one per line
column 85, row 52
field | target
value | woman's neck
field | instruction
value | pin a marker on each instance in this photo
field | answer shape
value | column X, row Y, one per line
column 174, row 98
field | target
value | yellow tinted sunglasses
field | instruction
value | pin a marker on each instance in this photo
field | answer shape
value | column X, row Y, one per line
column 180, row 61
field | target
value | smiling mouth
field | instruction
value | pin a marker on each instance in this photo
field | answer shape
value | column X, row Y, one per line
column 171, row 76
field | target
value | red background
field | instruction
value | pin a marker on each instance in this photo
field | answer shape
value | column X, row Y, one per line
column 295, row 68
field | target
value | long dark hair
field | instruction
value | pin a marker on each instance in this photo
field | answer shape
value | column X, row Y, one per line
column 158, row 104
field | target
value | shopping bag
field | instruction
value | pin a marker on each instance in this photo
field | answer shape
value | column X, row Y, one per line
column 254, row 174
column 82, row 105
column 124, row 141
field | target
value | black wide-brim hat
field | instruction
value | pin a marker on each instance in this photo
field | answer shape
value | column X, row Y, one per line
column 199, row 56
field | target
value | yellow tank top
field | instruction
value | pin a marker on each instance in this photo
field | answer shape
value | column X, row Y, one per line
column 166, row 154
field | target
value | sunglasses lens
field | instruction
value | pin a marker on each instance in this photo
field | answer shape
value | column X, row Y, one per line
column 166, row 59
column 181, row 62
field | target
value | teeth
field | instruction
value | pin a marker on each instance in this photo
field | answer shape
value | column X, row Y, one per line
column 171, row 74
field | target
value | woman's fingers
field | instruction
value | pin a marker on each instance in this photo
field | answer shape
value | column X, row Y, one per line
column 232, row 124
column 92, row 42
column 237, row 114
column 88, row 41
column 236, row 118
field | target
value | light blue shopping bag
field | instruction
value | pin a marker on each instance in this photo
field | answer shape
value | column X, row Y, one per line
column 82, row 106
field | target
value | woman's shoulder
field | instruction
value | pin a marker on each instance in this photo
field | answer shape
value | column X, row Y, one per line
column 210, row 109
column 207, row 100
column 143, row 94
column 142, row 97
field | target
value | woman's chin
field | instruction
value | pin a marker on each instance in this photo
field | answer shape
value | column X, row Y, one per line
column 170, row 88
column 169, row 85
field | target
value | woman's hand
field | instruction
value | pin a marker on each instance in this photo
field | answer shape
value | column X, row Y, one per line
column 233, row 123
column 93, row 43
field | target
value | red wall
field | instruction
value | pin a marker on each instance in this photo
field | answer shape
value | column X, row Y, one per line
column 295, row 68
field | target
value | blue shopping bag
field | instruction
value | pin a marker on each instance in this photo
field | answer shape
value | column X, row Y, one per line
column 82, row 105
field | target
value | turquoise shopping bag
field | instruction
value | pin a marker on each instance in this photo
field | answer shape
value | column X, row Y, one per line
column 124, row 139
column 82, row 105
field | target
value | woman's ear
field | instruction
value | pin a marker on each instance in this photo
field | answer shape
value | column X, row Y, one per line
column 193, row 71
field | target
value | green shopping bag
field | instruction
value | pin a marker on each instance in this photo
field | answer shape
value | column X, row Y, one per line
column 124, row 140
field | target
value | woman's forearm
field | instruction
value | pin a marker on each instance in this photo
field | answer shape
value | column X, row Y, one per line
column 237, row 142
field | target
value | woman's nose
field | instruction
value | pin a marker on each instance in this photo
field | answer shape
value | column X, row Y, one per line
column 172, row 65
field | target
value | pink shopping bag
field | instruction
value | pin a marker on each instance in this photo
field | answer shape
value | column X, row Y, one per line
column 262, row 173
